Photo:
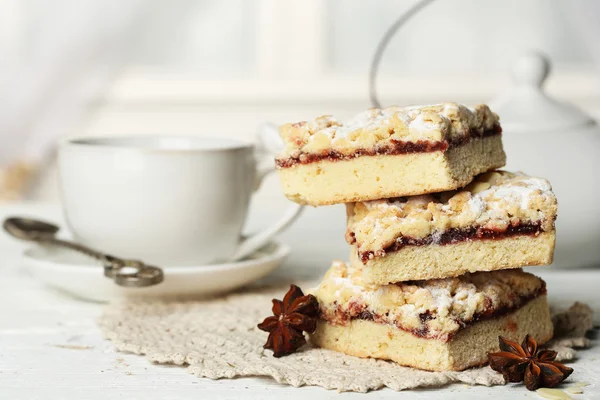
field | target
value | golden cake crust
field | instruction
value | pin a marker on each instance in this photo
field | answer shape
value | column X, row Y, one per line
column 495, row 201
column 380, row 128
column 437, row 261
column 391, row 175
column 436, row 308
column 469, row 348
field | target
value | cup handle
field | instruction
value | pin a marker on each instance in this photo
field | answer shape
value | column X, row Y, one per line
column 267, row 145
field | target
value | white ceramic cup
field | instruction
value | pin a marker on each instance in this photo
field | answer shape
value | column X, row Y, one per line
column 166, row 200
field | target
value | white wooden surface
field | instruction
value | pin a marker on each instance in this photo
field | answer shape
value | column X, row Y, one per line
column 50, row 347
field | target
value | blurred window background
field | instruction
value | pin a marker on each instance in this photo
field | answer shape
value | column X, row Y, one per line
column 221, row 67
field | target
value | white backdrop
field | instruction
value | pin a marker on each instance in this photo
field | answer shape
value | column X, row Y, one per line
column 113, row 66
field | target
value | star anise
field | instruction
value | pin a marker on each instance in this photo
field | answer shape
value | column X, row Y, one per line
column 295, row 314
column 525, row 363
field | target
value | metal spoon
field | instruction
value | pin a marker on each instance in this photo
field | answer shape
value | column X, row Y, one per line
column 129, row 273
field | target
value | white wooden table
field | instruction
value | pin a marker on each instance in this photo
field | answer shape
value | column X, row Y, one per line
column 50, row 347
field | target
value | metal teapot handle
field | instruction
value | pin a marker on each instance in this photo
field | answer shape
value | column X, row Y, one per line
column 383, row 43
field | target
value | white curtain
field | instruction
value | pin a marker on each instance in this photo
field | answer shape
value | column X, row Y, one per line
column 584, row 16
column 56, row 57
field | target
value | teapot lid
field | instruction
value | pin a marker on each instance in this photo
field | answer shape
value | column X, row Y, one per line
column 527, row 108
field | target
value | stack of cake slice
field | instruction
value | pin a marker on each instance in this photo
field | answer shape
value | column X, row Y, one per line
column 437, row 236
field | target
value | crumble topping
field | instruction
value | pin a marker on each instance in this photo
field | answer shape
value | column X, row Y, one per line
column 379, row 128
column 435, row 309
column 495, row 201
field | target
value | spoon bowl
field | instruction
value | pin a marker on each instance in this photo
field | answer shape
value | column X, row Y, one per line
column 29, row 229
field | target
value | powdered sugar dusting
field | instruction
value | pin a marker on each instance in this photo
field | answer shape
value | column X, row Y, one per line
column 517, row 190
column 417, row 120
column 377, row 128
column 477, row 205
column 367, row 120
column 520, row 191
column 443, row 302
column 494, row 201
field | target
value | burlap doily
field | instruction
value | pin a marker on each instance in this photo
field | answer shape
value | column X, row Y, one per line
column 218, row 339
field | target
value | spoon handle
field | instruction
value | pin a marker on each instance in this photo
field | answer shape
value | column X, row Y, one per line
column 130, row 273
column 77, row 247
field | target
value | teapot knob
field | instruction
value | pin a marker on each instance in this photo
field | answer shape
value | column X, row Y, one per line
column 532, row 69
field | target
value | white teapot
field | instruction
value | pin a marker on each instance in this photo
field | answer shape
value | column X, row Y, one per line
column 546, row 138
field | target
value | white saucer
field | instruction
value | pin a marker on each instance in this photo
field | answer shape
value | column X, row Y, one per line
column 83, row 277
